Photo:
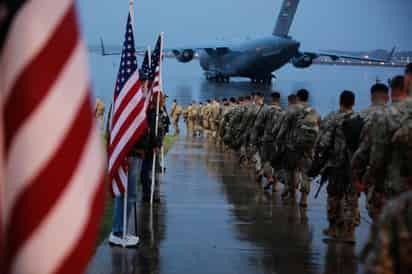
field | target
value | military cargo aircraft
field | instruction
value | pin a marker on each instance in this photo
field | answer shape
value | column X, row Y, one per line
column 258, row 59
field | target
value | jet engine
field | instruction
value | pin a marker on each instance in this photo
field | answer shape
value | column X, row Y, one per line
column 184, row 56
column 303, row 60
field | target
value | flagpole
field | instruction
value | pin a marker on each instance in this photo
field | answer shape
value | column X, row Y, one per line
column 157, row 119
column 161, row 88
column 125, row 196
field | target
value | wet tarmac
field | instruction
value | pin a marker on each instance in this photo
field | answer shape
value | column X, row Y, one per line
column 213, row 218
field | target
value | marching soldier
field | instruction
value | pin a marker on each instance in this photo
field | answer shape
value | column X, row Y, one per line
column 176, row 113
column 364, row 167
column 296, row 138
column 273, row 119
column 391, row 241
column 215, row 117
column 332, row 160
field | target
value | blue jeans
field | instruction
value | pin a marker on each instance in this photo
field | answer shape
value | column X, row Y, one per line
column 135, row 167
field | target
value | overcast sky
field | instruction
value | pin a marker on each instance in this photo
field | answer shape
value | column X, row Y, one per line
column 319, row 24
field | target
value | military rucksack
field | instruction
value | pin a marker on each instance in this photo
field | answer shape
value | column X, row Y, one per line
column 306, row 129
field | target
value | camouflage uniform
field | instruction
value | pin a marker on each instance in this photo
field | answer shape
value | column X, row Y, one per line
column 377, row 160
column 198, row 109
column 390, row 247
column 255, row 138
column 227, row 111
column 402, row 142
column 206, row 117
column 215, row 118
column 190, row 120
column 332, row 148
column 232, row 131
column 296, row 137
column 273, row 118
column 176, row 117
column 247, row 151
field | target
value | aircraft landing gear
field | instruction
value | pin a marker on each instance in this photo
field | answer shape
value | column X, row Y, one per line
column 262, row 80
column 218, row 78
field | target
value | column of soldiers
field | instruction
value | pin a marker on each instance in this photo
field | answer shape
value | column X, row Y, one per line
column 368, row 152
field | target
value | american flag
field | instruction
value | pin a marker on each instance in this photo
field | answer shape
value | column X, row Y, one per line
column 53, row 161
column 128, row 121
column 156, row 65
column 146, row 70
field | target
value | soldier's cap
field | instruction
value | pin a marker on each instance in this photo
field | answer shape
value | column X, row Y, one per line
column 224, row 100
column 408, row 68
column 208, row 101
column 232, row 99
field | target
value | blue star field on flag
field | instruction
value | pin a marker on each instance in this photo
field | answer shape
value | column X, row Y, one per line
column 155, row 59
column 128, row 61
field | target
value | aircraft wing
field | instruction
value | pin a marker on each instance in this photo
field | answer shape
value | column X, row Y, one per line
column 346, row 59
column 180, row 53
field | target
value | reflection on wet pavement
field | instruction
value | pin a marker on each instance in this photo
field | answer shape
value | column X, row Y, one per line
column 214, row 218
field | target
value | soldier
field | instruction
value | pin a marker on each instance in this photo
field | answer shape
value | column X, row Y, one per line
column 379, row 99
column 191, row 117
column 391, row 239
column 256, row 133
column 368, row 161
column 233, row 125
column 197, row 111
column 175, row 114
column 226, row 117
column 332, row 160
column 273, row 117
column 206, row 117
column 215, row 117
column 296, row 138
column 173, row 108
column 252, row 111
column 99, row 112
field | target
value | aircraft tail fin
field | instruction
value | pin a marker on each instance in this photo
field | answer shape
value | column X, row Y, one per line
column 390, row 56
column 285, row 18
column 103, row 50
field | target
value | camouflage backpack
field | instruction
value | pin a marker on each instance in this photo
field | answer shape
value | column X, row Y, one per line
column 306, row 129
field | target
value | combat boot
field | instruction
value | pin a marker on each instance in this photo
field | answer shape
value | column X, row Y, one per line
column 332, row 231
column 349, row 234
column 303, row 200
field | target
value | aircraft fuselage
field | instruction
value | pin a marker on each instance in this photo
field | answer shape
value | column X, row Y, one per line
column 253, row 59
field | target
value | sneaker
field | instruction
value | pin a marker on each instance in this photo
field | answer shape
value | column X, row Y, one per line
column 129, row 241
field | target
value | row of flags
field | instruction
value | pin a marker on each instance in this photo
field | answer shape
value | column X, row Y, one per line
column 130, row 102
column 52, row 165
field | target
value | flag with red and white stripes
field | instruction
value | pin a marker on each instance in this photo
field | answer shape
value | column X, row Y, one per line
column 155, row 76
column 53, row 161
column 128, row 120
